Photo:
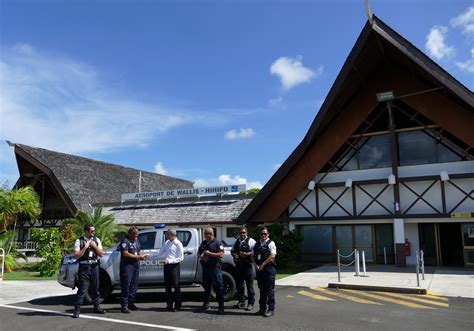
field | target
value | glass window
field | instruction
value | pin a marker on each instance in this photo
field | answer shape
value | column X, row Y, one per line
column 446, row 155
column 375, row 153
column 469, row 234
column 147, row 240
column 416, row 147
column 317, row 239
column 349, row 161
column 344, row 235
column 232, row 232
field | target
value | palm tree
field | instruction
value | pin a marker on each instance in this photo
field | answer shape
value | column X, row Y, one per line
column 105, row 226
column 22, row 201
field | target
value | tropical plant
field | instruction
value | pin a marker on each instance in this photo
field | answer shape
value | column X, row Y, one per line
column 49, row 248
column 105, row 227
column 6, row 238
column 13, row 203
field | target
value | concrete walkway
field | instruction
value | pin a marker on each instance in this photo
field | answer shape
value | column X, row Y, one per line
column 13, row 291
column 449, row 282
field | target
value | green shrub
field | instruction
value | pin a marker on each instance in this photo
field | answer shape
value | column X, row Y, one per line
column 49, row 248
column 288, row 243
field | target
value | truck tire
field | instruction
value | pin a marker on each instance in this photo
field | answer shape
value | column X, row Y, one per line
column 105, row 289
column 229, row 287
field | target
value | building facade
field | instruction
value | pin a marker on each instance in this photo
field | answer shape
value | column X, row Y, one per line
column 386, row 167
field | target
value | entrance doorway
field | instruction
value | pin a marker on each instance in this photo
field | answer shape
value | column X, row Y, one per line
column 442, row 244
column 350, row 237
column 450, row 239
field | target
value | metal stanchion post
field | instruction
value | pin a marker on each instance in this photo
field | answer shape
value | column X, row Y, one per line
column 338, row 267
column 417, row 269
column 363, row 264
column 2, row 255
column 422, row 265
column 385, row 255
column 356, row 262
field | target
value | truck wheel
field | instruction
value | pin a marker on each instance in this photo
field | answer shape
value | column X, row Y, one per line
column 105, row 289
column 229, row 287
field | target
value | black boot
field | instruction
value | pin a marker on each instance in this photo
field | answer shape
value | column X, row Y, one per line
column 98, row 310
column 76, row 312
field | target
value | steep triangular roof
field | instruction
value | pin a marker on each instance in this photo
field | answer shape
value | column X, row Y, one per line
column 377, row 46
column 81, row 181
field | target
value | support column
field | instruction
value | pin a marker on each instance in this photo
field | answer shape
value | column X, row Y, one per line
column 399, row 239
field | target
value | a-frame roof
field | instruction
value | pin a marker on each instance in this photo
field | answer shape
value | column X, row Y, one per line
column 380, row 60
column 82, row 182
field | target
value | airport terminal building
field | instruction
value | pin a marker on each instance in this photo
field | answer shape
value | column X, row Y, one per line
column 388, row 162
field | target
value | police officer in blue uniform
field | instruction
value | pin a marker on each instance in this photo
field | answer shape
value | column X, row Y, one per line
column 264, row 253
column 242, row 251
column 211, row 251
column 87, row 250
column 130, row 258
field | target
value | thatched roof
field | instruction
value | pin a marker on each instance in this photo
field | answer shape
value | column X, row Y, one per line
column 84, row 181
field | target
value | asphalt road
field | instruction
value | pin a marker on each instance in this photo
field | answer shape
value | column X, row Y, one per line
column 297, row 309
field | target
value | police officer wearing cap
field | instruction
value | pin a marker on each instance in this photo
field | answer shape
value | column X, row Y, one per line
column 130, row 257
column 87, row 250
column 210, row 252
column 264, row 253
column 242, row 251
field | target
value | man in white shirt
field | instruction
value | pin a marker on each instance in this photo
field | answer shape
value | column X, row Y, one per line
column 171, row 255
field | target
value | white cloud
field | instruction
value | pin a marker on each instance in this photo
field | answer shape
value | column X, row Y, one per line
column 276, row 166
column 277, row 103
column 60, row 104
column 435, row 43
column 468, row 65
column 241, row 134
column 292, row 72
column 226, row 179
column 465, row 21
column 160, row 169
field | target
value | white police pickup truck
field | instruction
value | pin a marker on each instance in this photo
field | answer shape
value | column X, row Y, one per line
column 151, row 272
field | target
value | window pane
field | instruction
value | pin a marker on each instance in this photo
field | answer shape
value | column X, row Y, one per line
column 469, row 234
column 232, row 232
column 317, row 239
column 446, row 155
column 416, row 147
column 349, row 161
column 147, row 240
column 344, row 235
column 183, row 236
column 375, row 153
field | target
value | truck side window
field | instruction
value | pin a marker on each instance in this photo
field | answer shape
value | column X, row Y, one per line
column 183, row 236
column 147, row 240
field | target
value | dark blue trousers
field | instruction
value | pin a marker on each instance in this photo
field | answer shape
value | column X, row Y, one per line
column 210, row 275
column 266, row 284
column 128, row 282
column 172, row 275
column 88, row 282
column 244, row 274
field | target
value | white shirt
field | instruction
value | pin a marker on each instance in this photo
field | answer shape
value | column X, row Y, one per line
column 271, row 246
column 77, row 244
column 172, row 251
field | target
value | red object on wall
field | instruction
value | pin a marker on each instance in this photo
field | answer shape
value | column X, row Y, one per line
column 407, row 247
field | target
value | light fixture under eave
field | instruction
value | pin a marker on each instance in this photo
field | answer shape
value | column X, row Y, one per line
column 444, row 176
column 348, row 182
column 311, row 185
column 392, row 180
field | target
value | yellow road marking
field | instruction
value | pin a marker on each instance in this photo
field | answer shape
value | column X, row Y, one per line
column 315, row 296
column 437, row 297
column 413, row 298
column 345, row 296
column 290, row 296
column 382, row 298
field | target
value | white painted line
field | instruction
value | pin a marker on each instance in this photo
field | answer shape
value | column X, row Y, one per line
column 112, row 320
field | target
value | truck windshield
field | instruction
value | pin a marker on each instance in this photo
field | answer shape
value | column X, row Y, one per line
column 147, row 240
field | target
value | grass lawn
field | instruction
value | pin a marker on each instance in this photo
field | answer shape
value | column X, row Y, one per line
column 291, row 270
column 26, row 271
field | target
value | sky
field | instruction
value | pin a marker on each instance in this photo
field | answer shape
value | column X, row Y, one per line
column 217, row 92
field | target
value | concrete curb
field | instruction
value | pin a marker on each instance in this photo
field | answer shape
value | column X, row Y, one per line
column 407, row 290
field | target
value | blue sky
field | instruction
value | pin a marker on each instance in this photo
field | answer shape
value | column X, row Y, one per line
column 218, row 92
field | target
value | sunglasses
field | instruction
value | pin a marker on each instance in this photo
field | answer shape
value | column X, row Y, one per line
column 243, row 232
column 264, row 234
column 208, row 233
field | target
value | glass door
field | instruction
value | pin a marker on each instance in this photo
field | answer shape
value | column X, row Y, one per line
column 363, row 241
column 344, row 241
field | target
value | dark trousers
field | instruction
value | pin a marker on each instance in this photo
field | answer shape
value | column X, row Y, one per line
column 244, row 274
column 128, row 282
column 210, row 275
column 172, row 274
column 88, row 282
column 266, row 284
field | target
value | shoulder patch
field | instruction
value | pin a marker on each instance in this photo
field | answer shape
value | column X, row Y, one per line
column 221, row 247
column 124, row 245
